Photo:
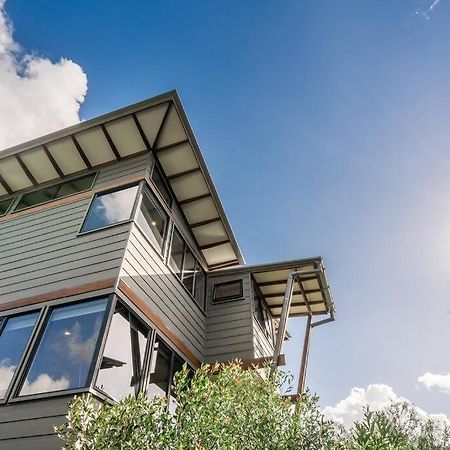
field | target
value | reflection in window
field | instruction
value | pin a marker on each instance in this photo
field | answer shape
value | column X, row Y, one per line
column 4, row 206
column 160, row 370
column 65, row 352
column 177, row 366
column 228, row 291
column 123, row 356
column 152, row 220
column 110, row 207
column 176, row 253
column 56, row 191
column 161, row 185
column 14, row 335
column 189, row 270
column 200, row 282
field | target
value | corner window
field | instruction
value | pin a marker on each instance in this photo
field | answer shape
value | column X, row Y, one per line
column 152, row 220
column 123, row 357
column 4, row 206
column 15, row 332
column 261, row 312
column 185, row 265
column 228, row 291
column 160, row 183
column 110, row 207
column 65, row 354
column 60, row 190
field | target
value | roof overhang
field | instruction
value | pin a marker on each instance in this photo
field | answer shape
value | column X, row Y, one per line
column 158, row 125
column 311, row 292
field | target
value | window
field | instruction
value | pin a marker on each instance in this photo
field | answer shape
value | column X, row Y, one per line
column 123, row 357
column 160, row 183
column 110, row 207
column 185, row 265
column 63, row 189
column 152, row 220
column 15, row 331
column 262, row 313
column 4, row 206
column 65, row 353
column 228, row 291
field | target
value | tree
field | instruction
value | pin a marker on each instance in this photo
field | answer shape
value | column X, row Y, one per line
column 223, row 406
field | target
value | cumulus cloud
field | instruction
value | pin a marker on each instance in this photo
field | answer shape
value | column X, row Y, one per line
column 430, row 380
column 44, row 383
column 376, row 397
column 37, row 95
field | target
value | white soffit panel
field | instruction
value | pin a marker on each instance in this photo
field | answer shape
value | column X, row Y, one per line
column 125, row 135
column 314, row 297
column 172, row 130
column 220, row 254
column 66, row 156
column 210, row 233
column 3, row 191
column 309, row 285
column 189, row 186
column 274, row 275
column 319, row 308
column 178, row 159
column 95, row 145
column 39, row 165
column 200, row 210
column 274, row 289
column 150, row 120
column 13, row 174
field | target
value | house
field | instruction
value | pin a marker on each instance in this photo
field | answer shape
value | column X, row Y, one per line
column 118, row 264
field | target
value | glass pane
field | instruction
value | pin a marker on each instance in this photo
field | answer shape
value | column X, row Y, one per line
column 177, row 366
column 4, row 205
column 176, row 253
column 37, row 197
column 200, row 286
column 189, row 270
column 152, row 221
column 110, row 208
column 115, row 376
column 225, row 291
column 77, row 185
column 159, row 372
column 158, row 180
column 13, row 340
column 65, row 352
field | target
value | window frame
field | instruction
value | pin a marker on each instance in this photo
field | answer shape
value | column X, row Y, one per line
column 33, row 346
column 265, row 311
column 82, row 232
column 13, row 209
column 10, row 206
column 230, row 297
column 156, row 166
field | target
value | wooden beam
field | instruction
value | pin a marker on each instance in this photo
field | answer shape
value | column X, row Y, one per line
column 214, row 244
column 26, row 170
column 170, row 146
column 53, row 161
column 163, row 122
column 81, row 152
column 194, row 199
column 110, row 142
column 205, row 222
column 184, row 173
column 5, row 185
column 141, row 132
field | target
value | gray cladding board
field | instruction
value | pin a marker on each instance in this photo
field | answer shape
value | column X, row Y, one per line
column 263, row 345
column 30, row 424
column 145, row 272
column 41, row 252
column 229, row 323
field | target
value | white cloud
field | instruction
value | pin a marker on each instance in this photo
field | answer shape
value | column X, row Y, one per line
column 376, row 397
column 37, row 95
column 44, row 383
column 428, row 6
column 430, row 380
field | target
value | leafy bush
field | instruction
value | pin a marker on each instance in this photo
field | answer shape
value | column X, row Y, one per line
column 226, row 407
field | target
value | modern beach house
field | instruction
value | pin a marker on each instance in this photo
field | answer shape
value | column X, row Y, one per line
column 118, row 264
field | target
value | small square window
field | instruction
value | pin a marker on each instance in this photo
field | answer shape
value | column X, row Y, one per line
column 228, row 291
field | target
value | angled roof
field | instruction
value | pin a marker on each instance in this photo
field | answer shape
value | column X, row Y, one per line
column 158, row 125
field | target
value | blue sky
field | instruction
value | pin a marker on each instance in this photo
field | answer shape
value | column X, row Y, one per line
column 325, row 126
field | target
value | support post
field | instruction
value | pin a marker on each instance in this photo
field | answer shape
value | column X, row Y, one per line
column 305, row 355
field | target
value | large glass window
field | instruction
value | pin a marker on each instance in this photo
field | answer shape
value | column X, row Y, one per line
column 160, row 370
column 123, row 357
column 161, row 185
column 4, row 206
column 64, row 356
column 228, row 291
column 15, row 332
column 110, row 207
column 261, row 312
column 187, row 268
column 152, row 220
column 55, row 191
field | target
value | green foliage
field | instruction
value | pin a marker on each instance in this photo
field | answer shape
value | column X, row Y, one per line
column 226, row 407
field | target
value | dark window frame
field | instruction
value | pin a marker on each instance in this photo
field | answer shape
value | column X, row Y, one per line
column 229, row 297
column 11, row 200
column 156, row 167
column 14, row 209
column 122, row 187
column 267, row 315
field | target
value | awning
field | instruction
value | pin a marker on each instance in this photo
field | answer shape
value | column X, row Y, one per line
column 157, row 125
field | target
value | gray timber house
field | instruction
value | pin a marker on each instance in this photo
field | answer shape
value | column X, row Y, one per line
column 118, row 264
